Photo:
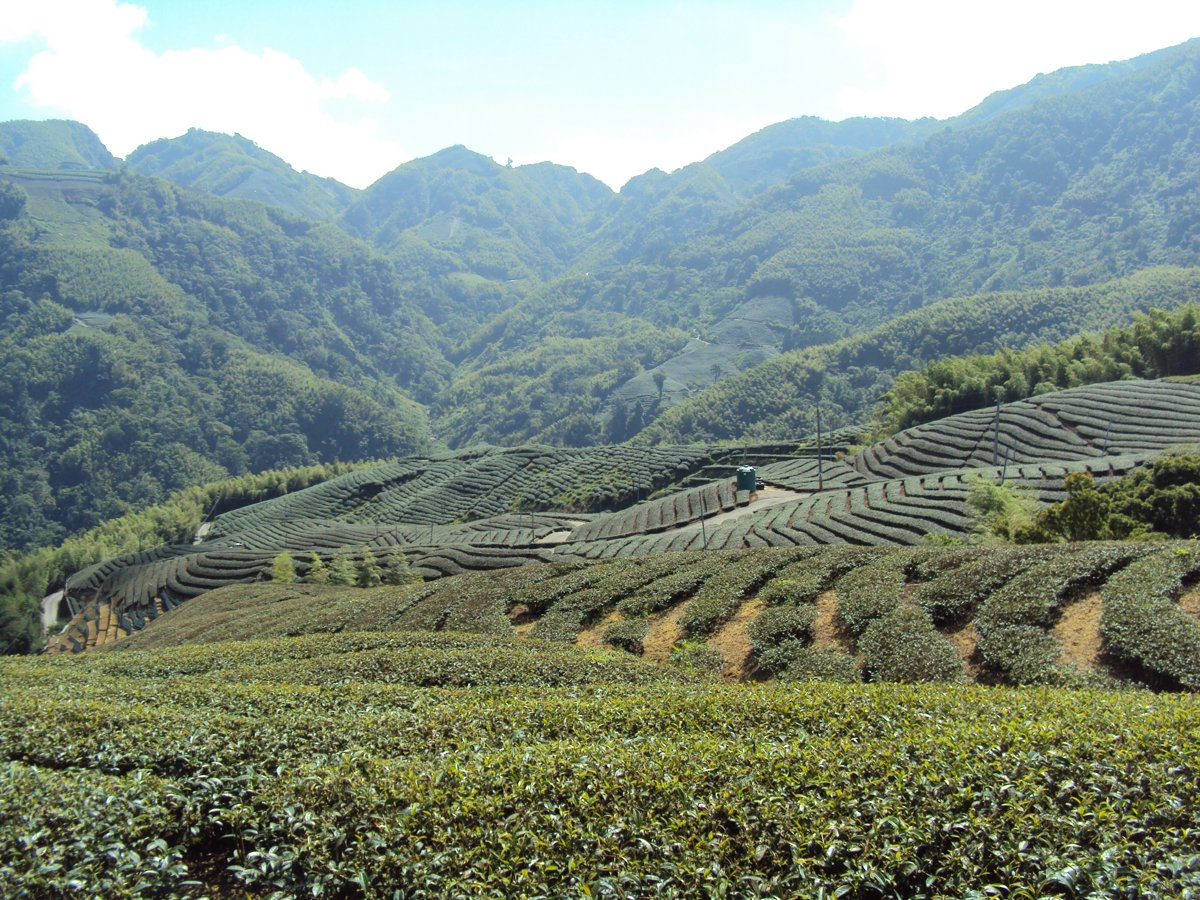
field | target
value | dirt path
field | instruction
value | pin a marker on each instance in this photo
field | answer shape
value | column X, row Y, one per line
column 767, row 498
column 561, row 535
column 1190, row 604
column 827, row 632
column 964, row 639
column 662, row 634
column 1078, row 632
column 594, row 636
column 733, row 642
column 50, row 605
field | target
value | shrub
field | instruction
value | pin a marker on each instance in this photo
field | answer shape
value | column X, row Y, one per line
column 1021, row 654
column 869, row 592
column 697, row 656
column 627, row 634
column 777, row 624
column 904, row 646
column 318, row 572
column 1001, row 514
column 808, row 664
column 342, row 569
column 369, row 573
column 1142, row 622
column 20, row 624
column 723, row 591
column 283, row 568
column 950, row 598
column 397, row 570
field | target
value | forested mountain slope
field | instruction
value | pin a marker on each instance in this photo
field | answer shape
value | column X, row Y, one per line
column 812, row 260
column 1068, row 189
column 848, row 378
column 155, row 338
column 54, row 144
column 233, row 166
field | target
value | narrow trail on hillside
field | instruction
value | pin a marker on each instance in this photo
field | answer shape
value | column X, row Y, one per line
column 662, row 634
column 1078, row 632
column 733, row 641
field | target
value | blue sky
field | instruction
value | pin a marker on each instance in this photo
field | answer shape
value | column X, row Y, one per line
column 354, row 89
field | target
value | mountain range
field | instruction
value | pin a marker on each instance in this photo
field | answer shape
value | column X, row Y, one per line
column 202, row 309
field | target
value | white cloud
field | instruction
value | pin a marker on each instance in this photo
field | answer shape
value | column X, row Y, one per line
column 94, row 68
column 941, row 57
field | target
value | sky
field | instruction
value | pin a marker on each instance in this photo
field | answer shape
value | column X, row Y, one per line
column 353, row 89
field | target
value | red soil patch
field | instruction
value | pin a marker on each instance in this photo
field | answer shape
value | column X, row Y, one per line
column 733, row 642
column 827, row 631
column 594, row 635
column 662, row 634
column 1190, row 604
column 1078, row 632
column 522, row 618
column 965, row 640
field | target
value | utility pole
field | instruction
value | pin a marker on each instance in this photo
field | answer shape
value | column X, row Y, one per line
column 996, row 432
column 820, row 455
column 703, row 513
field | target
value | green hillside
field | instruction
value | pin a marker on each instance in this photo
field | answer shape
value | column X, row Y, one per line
column 232, row 166
column 491, row 509
column 155, row 338
column 54, row 144
column 812, row 262
column 1062, row 186
column 849, row 378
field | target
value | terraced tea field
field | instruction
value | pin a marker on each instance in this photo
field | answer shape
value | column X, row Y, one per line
column 956, row 613
column 491, row 509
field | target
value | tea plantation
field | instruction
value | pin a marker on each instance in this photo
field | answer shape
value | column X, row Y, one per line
column 447, row 765
column 951, row 614
column 611, row 673
column 486, row 509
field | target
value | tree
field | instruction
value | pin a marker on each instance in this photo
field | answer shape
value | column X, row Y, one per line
column 318, row 572
column 660, row 381
column 283, row 568
column 397, row 570
column 12, row 201
column 342, row 569
column 369, row 573
column 1083, row 516
column 1000, row 514
column 20, row 624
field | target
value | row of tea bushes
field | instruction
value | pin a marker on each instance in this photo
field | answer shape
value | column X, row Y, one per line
column 673, row 511
column 1012, row 623
column 892, row 602
column 414, row 503
column 1114, row 419
column 1143, row 624
column 1012, row 596
column 316, row 766
column 479, row 483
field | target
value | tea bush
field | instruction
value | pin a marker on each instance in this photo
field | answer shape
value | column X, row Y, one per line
column 869, row 592
column 809, row 664
column 777, row 624
column 273, row 767
column 1142, row 622
column 904, row 646
column 627, row 634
